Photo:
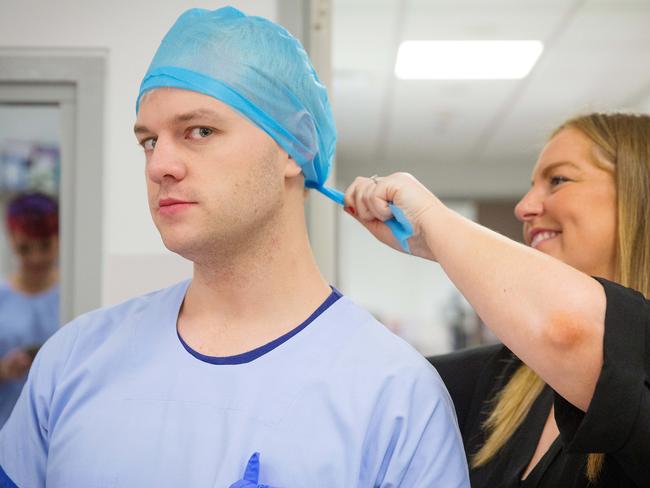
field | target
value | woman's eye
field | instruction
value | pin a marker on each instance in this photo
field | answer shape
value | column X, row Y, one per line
column 148, row 144
column 557, row 180
column 200, row 132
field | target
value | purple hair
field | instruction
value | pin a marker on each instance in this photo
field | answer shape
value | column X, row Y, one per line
column 34, row 214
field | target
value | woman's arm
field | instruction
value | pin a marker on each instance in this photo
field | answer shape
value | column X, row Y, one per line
column 549, row 314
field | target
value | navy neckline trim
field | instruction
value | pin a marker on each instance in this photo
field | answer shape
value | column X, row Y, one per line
column 5, row 480
column 249, row 356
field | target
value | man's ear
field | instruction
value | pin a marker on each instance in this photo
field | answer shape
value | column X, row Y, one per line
column 292, row 169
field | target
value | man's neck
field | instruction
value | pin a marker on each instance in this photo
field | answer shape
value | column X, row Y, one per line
column 243, row 301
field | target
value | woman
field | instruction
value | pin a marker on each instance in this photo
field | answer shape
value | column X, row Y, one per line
column 29, row 299
column 566, row 402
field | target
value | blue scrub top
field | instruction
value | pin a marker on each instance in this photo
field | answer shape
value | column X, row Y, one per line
column 25, row 321
column 116, row 399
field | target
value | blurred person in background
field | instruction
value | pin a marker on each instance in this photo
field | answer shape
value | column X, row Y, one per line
column 29, row 298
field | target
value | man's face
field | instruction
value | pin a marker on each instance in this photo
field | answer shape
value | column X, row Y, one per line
column 214, row 180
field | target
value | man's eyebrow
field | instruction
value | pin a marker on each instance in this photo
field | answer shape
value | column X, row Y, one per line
column 196, row 114
column 140, row 129
column 185, row 117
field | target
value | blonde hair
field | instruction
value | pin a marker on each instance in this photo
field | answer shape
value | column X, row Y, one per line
column 622, row 142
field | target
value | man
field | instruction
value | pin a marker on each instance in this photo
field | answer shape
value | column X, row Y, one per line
column 256, row 367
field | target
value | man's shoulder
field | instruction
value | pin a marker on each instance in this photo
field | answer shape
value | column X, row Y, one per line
column 92, row 329
column 148, row 302
column 393, row 375
column 370, row 344
column 114, row 315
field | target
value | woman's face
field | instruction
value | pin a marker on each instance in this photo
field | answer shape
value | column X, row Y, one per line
column 36, row 256
column 570, row 210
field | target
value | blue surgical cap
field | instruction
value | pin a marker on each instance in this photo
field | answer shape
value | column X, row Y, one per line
column 259, row 69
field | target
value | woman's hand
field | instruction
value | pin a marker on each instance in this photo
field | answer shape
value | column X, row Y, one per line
column 367, row 200
column 15, row 365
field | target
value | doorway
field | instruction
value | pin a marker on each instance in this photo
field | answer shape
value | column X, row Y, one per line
column 51, row 122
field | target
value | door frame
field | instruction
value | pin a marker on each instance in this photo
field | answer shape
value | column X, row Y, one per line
column 74, row 80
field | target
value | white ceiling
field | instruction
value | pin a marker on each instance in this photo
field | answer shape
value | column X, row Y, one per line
column 478, row 138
